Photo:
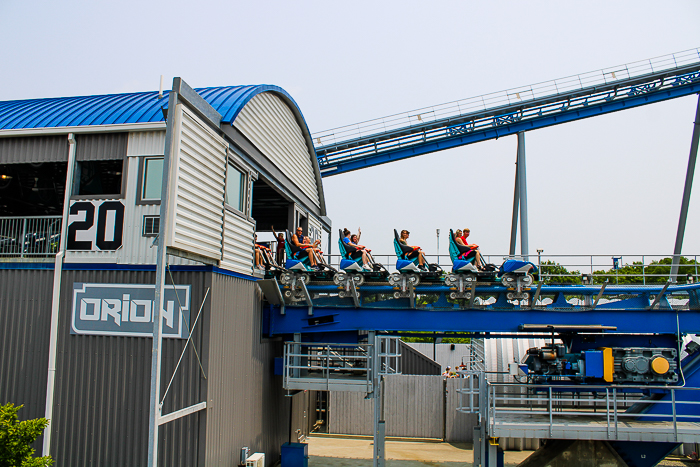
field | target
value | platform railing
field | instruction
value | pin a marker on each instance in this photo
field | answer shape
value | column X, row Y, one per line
column 568, row 269
column 29, row 237
column 554, row 406
column 331, row 366
column 523, row 94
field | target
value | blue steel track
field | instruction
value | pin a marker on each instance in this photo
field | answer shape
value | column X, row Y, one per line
column 492, row 123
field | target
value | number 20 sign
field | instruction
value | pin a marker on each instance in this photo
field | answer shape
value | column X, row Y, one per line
column 95, row 225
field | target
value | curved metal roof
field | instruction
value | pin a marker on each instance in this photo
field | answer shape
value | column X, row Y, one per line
column 138, row 107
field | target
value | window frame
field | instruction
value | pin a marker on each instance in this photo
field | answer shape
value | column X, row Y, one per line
column 140, row 200
column 76, row 182
column 247, row 179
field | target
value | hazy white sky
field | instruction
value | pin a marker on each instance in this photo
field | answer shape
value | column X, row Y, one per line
column 607, row 185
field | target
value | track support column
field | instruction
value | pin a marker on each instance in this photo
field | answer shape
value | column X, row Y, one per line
column 379, row 431
column 686, row 194
column 522, row 185
column 520, row 201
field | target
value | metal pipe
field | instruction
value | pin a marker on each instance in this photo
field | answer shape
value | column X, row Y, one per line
column 686, row 193
column 171, row 144
column 56, row 295
column 516, row 205
column 522, row 185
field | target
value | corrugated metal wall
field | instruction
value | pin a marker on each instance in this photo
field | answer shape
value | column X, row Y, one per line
column 269, row 124
column 247, row 403
column 238, row 244
column 101, row 146
column 100, row 414
column 413, row 407
column 414, row 362
column 146, row 143
column 198, row 188
column 25, row 318
column 34, row 149
column 444, row 354
column 459, row 427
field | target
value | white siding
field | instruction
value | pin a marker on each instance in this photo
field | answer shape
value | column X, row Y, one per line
column 197, row 191
column 315, row 230
column 270, row 125
column 146, row 143
column 238, row 244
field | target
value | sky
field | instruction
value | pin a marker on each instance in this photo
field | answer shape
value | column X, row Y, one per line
column 609, row 185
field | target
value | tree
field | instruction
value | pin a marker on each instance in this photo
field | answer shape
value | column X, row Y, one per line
column 555, row 273
column 657, row 272
column 16, row 438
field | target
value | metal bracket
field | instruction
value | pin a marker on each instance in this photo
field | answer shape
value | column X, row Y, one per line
column 658, row 297
column 600, row 294
column 537, row 295
column 302, row 286
column 472, row 296
column 353, row 291
column 411, row 294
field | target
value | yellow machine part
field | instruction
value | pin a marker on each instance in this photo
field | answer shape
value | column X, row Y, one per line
column 608, row 365
column 660, row 365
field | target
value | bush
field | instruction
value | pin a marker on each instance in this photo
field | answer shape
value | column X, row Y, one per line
column 16, row 438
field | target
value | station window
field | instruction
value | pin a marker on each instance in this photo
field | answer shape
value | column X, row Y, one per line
column 152, row 178
column 99, row 178
column 235, row 188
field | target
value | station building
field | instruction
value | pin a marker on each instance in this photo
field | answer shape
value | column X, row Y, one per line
column 80, row 200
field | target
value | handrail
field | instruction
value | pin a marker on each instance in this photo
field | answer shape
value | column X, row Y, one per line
column 605, row 78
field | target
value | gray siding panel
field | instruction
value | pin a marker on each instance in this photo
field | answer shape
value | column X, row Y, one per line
column 413, row 407
column 414, row 362
column 25, row 318
column 102, row 391
column 105, row 146
column 34, row 149
column 459, row 427
column 246, row 401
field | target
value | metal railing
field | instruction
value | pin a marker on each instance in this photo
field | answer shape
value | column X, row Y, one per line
column 523, row 94
column 29, row 237
column 594, row 409
column 631, row 269
column 314, row 365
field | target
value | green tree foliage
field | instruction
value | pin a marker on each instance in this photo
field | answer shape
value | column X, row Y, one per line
column 554, row 273
column 16, row 438
column 657, row 272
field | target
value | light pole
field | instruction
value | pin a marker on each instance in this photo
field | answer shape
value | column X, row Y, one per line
column 539, row 263
column 438, row 245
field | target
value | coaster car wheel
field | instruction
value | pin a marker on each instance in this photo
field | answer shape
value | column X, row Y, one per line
column 339, row 278
column 508, row 280
column 414, row 279
column 305, row 278
column 527, row 280
column 359, row 279
column 469, row 278
column 397, row 294
column 286, row 278
column 394, row 279
column 450, row 280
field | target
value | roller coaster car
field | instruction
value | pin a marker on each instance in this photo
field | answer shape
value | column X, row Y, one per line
column 297, row 264
column 409, row 266
column 353, row 267
column 517, row 275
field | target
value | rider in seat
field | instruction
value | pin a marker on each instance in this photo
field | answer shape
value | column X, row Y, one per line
column 302, row 247
column 354, row 250
column 407, row 251
column 467, row 251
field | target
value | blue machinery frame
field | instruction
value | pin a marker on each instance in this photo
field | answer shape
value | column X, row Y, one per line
column 413, row 141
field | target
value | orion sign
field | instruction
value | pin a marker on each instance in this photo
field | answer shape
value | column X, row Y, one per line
column 127, row 310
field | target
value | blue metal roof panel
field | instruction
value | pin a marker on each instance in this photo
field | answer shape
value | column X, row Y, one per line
column 110, row 109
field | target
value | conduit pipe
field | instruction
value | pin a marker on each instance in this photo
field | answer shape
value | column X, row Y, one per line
column 56, row 296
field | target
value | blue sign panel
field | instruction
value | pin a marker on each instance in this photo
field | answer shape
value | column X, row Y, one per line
column 127, row 310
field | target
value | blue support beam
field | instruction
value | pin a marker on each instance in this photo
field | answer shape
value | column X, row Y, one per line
column 330, row 320
column 509, row 126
